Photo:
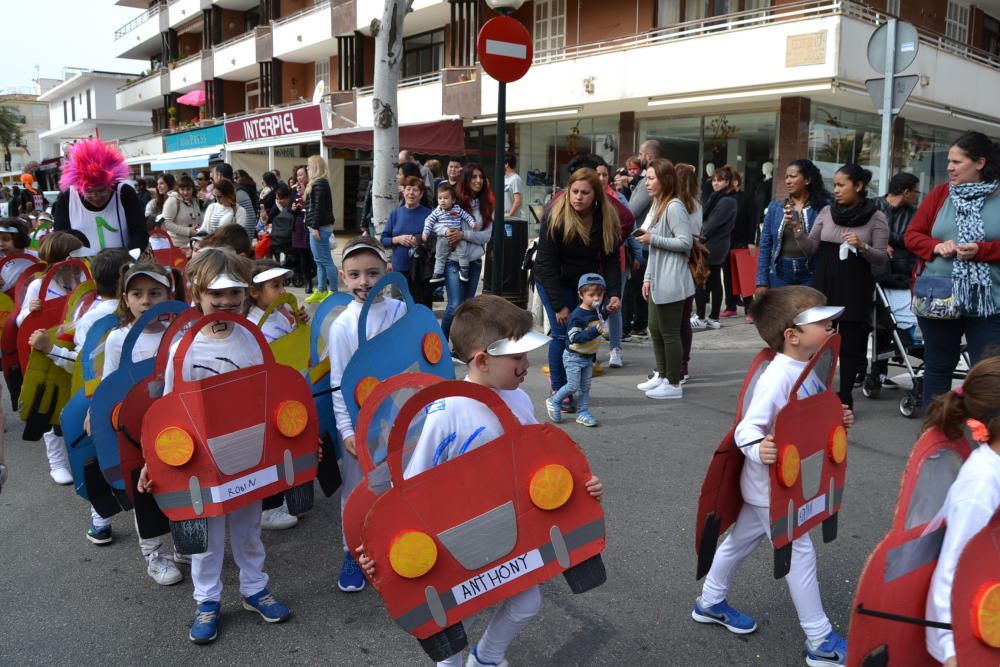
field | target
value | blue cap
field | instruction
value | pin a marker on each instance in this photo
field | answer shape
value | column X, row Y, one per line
column 591, row 279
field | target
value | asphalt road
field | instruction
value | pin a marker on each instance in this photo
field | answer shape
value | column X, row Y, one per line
column 66, row 601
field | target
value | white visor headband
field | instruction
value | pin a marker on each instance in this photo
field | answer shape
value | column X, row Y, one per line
column 357, row 247
column 270, row 274
column 225, row 281
column 817, row 314
column 526, row 343
column 152, row 275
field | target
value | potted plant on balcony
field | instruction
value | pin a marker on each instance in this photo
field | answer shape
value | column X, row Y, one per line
column 172, row 115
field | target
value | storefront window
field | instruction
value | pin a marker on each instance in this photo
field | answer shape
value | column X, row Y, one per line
column 839, row 136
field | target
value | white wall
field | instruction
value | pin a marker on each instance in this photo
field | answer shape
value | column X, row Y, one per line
column 416, row 104
column 102, row 103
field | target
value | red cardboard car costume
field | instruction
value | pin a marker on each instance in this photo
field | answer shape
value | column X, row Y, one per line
column 807, row 482
column 209, row 459
column 975, row 598
column 478, row 529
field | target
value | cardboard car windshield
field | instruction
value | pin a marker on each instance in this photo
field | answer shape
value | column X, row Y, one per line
column 292, row 349
column 207, row 459
column 13, row 372
column 164, row 252
column 477, row 529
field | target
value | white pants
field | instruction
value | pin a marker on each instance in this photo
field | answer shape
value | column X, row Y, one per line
column 147, row 545
column 350, row 476
column 248, row 552
column 753, row 525
column 55, row 450
column 98, row 520
column 508, row 620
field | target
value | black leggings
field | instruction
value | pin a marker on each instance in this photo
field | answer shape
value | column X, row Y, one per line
column 713, row 287
column 853, row 357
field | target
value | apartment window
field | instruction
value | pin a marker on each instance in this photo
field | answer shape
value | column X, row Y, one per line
column 549, row 25
column 956, row 24
column 668, row 12
column 89, row 111
column 322, row 73
column 991, row 36
column 72, row 108
column 252, row 94
column 423, row 54
column 749, row 5
column 65, row 113
column 892, row 7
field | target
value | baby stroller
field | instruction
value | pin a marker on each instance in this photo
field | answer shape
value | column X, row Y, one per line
column 903, row 345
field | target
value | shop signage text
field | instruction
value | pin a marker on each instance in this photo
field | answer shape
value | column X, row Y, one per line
column 200, row 138
column 277, row 124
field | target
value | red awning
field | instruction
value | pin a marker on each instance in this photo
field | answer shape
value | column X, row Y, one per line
column 443, row 137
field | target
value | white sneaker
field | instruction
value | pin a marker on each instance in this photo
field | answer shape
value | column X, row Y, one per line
column 615, row 360
column 473, row 661
column 61, row 476
column 162, row 569
column 697, row 322
column 651, row 383
column 277, row 519
column 712, row 324
column 665, row 390
column 685, row 378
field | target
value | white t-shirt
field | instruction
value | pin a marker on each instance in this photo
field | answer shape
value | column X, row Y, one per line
column 512, row 186
column 277, row 325
column 972, row 500
column 456, row 425
column 144, row 348
column 342, row 343
column 208, row 357
column 770, row 395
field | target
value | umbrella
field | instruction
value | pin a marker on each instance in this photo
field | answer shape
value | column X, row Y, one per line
column 195, row 98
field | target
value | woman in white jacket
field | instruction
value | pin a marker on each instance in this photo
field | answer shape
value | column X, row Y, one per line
column 182, row 215
column 223, row 211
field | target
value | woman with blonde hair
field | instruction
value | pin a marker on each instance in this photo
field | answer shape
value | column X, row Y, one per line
column 319, row 220
column 668, row 283
column 580, row 234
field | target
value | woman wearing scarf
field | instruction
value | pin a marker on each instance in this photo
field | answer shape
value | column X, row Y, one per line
column 956, row 231
column 848, row 238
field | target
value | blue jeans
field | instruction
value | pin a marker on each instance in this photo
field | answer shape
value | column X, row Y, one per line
column 579, row 372
column 792, row 271
column 326, row 271
column 615, row 319
column 557, row 374
column 942, row 342
column 458, row 291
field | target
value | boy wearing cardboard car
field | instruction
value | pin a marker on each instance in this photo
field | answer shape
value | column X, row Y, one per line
column 795, row 322
column 493, row 337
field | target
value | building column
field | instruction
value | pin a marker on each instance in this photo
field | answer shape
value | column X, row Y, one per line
column 626, row 136
column 793, row 137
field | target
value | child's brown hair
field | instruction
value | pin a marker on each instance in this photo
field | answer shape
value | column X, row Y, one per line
column 21, row 237
column 978, row 398
column 233, row 237
column 774, row 312
column 376, row 248
column 259, row 266
column 123, row 312
column 208, row 264
column 57, row 246
column 483, row 320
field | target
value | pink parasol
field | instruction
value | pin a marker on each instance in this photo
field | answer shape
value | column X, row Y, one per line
column 195, row 98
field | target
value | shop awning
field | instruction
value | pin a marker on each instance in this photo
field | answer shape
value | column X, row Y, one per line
column 443, row 137
column 194, row 158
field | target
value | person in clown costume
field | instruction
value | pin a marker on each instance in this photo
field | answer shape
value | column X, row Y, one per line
column 96, row 200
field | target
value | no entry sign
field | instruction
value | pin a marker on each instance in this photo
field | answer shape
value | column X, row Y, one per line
column 505, row 49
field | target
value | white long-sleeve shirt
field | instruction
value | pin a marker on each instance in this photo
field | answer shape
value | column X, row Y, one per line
column 145, row 347
column 65, row 358
column 456, row 425
column 342, row 343
column 770, row 395
column 208, row 357
column 277, row 325
column 972, row 500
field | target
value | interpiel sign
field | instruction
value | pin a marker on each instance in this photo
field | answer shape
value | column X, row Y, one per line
column 288, row 122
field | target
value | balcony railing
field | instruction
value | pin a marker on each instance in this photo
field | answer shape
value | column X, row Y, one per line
column 141, row 80
column 756, row 18
column 136, row 22
column 410, row 82
column 319, row 6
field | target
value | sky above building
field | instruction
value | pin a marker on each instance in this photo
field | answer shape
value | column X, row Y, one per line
column 70, row 33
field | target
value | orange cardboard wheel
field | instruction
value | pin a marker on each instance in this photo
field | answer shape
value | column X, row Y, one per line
column 789, row 464
column 838, row 444
column 364, row 388
column 431, row 347
column 986, row 614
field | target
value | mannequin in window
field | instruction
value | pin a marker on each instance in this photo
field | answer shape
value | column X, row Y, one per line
column 706, row 183
column 763, row 191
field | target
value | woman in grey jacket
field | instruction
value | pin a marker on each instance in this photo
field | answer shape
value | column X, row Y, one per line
column 668, row 283
column 720, row 218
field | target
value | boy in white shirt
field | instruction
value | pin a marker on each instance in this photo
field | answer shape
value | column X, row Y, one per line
column 794, row 322
column 362, row 264
column 493, row 337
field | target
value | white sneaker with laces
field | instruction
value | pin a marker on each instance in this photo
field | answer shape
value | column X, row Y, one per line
column 277, row 519
column 61, row 476
column 712, row 324
column 697, row 322
column 651, row 383
column 162, row 569
column 615, row 360
column 666, row 390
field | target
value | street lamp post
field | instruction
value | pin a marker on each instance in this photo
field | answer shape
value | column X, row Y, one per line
column 504, row 8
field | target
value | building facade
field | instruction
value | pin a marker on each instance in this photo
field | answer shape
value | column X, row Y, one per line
column 34, row 121
column 744, row 82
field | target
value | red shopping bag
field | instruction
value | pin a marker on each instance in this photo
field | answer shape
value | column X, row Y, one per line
column 744, row 267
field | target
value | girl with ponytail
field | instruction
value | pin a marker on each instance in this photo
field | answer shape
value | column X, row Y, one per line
column 975, row 495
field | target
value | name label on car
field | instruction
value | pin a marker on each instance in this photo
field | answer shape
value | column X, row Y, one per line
column 811, row 509
column 498, row 576
column 245, row 484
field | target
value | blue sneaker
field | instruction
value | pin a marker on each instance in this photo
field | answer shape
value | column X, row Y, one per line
column 721, row 613
column 99, row 536
column 351, row 579
column 831, row 653
column 205, row 628
column 267, row 606
column 585, row 418
column 555, row 414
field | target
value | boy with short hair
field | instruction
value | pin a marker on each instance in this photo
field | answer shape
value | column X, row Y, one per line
column 583, row 333
column 362, row 264
column 492, row 336
column 448, row 215
column 795, row 322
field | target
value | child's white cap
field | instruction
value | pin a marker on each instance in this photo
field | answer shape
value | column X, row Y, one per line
column 82, row 252
column 225, row 281
column 526, row 343
column 9, row 229
column 153, row 275
column 134, row 253
column 357, row 247
column 271, row 274
column 817, row 314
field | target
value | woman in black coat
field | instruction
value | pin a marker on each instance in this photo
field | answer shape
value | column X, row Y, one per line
column 719, row 219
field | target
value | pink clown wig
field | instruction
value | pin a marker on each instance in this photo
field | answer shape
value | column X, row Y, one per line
column 93, row 164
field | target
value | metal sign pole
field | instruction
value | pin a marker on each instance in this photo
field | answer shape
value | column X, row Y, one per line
column 498, row 190
column 885, row 160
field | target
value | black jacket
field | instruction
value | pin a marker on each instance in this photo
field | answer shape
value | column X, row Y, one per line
column 898, row 272
column 319, row 207
column 282, row 222
column 135, row 216
column 559, row 264
column 720, row 218
column 745, row 228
